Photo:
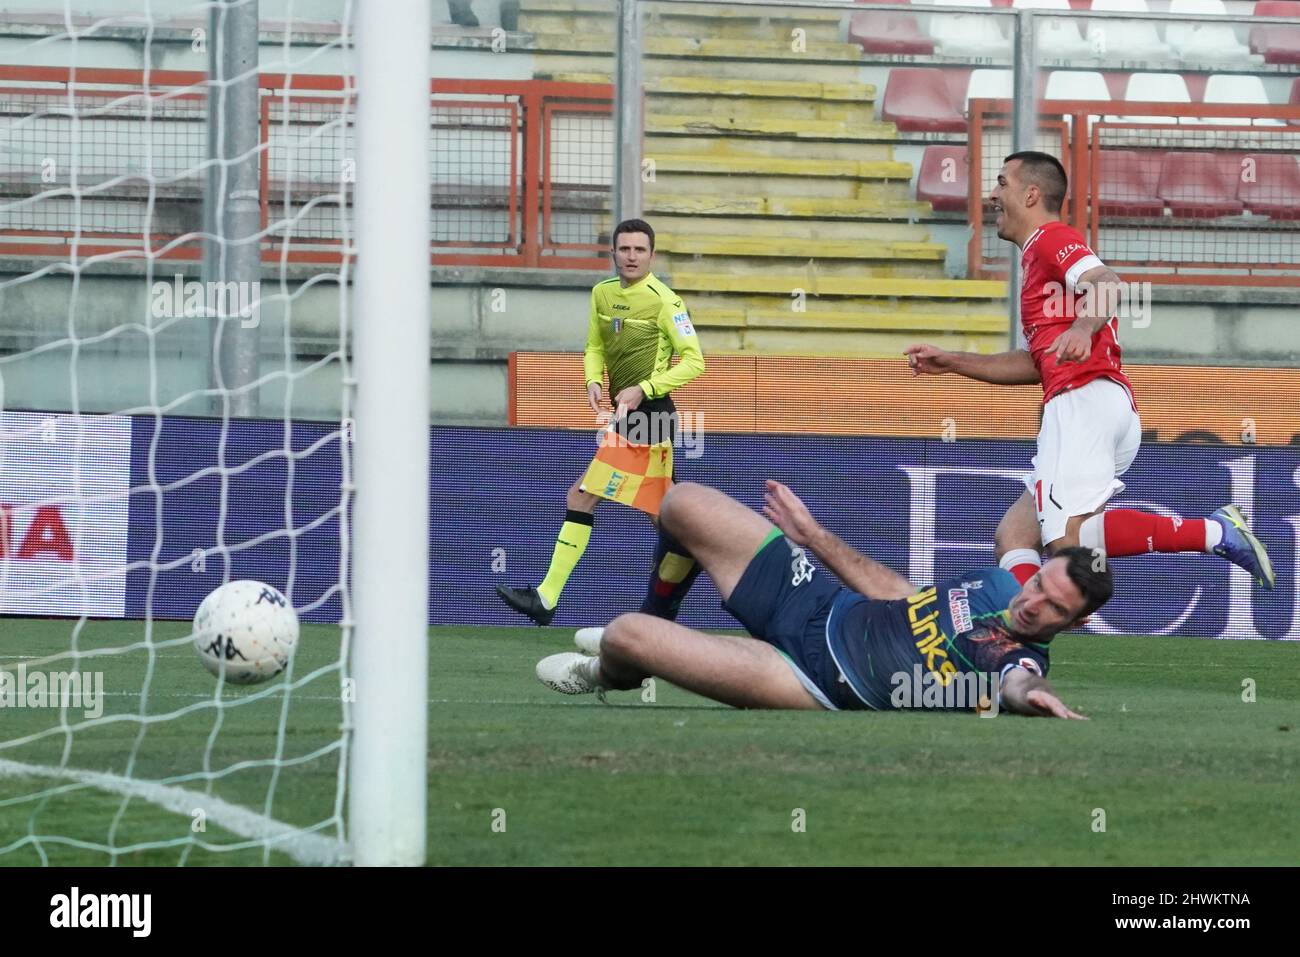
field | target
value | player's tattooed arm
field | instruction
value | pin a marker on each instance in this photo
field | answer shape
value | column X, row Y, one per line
column 864, row 575
column 1028, row 694
column 1099, row 291
column 1002, row 368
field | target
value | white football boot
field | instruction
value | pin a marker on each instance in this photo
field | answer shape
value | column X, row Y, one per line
column 588, row 640
column 569, row 673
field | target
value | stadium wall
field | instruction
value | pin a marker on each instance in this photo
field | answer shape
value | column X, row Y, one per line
column 925, row 507
column 480, row 316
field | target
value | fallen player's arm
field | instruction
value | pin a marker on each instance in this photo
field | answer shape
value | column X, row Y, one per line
column 865, row 576
column 1002, row 368
column 1028, row 694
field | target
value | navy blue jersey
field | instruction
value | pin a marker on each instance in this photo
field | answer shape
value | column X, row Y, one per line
column 960, row 626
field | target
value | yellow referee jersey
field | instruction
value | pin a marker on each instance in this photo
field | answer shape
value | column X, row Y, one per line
column 634, row 332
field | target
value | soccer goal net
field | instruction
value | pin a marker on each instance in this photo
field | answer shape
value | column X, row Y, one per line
column 182, row 401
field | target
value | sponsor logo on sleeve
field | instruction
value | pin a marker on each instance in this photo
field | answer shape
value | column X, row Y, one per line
column 1067, row 249
column 682, row 320
column 959, row 608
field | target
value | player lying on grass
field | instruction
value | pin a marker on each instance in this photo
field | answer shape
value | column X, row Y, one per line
column 817, row 644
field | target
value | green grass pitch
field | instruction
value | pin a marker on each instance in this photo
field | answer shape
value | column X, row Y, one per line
column 1186, row 772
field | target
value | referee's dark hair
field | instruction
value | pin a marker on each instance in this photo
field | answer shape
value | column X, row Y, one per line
column 1090, row 573
column 1046, row 172
column 633, row 226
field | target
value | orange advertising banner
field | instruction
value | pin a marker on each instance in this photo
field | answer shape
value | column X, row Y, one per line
column 850, row 396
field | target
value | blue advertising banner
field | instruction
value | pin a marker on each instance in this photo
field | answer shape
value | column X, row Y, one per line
column 927, row 508
column 255, row 500
column 924, row 507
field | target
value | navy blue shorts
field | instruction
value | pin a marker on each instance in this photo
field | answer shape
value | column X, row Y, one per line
column 784, row 601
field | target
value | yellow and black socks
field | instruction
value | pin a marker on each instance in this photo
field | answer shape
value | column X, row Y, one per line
column 569, row 546
column 671, row 577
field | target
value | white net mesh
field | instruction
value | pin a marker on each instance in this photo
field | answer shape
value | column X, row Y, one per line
column 163, row 432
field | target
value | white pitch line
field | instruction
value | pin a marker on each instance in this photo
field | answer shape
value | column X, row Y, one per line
column 305, row 848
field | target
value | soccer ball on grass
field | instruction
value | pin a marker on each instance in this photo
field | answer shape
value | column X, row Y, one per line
column 246, row 630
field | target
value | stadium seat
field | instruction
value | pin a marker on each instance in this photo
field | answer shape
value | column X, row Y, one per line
column 1153, row 88
column 1236, row 88
column 944, row 178
column 1294, row 99
column 1205, row 42
column 990, row 85
column 920, row 99
column 1274, row 188
column 1126, row 182
column 878, row 31
column 1126, row 39
column 1076, row 85
column 1277, row 44
column 1056, row 38
column 1201, row 185
column 973, row 35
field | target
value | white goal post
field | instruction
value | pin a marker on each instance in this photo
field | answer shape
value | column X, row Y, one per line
column 391, row 453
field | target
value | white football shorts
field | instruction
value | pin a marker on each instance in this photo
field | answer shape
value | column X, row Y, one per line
column 1089, row 437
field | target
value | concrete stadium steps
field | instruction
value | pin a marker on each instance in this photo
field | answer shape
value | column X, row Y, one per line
column 712, row 48
column 598, row 17
column 764, row 148
column 742, row 246
column 598, row 67
column 770, row 174
column 774, row 167
column 850, row 104
column 742, row 255
column 880, row 267
column 763, row 125
column 882, row 207
column 866, row 331
column 729, row 292
column 780, row 231
column 688, row 182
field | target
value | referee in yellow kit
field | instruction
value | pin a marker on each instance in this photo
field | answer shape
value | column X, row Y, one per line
column 637, row 324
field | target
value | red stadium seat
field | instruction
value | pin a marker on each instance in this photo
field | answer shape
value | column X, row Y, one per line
column 921, row 100
column 1127, row 183
column 944, row 179
column 885, row 32
column 1274, row 188
column 1201, row 185
column 1278, row 44
column 1295, row 96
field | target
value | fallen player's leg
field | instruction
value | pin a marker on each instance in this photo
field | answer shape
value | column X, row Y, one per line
column 764, row 580
column 742, row 672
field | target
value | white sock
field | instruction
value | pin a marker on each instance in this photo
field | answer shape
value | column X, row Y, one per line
column 1092, row 533
column 1020, row 556
column 1213, row 534
column 591, row 671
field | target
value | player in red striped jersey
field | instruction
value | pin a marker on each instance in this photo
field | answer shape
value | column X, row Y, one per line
column 1090, row 431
